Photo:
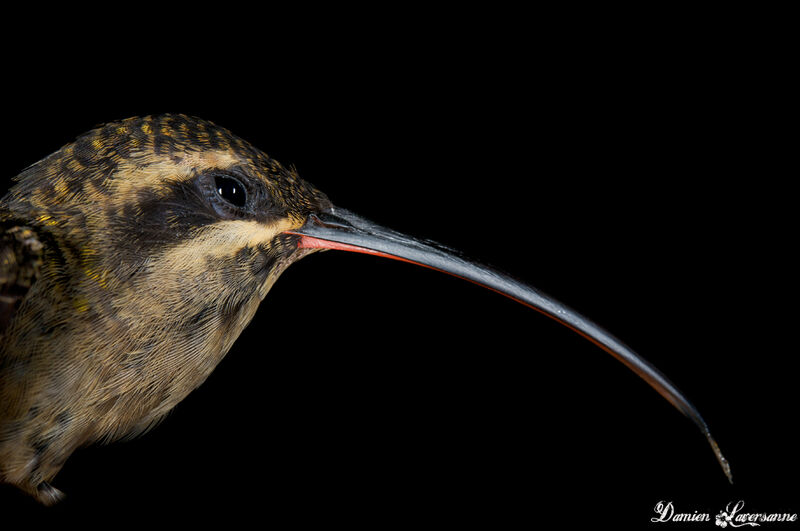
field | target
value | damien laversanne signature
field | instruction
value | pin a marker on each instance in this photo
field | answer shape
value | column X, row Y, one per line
column 733, row 515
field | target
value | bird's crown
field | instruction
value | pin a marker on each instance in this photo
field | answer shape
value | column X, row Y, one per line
column 112, row 164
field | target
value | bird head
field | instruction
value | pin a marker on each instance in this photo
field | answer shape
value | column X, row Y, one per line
column 165, row 194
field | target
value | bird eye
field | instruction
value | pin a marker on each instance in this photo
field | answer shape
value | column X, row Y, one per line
column 231, row 190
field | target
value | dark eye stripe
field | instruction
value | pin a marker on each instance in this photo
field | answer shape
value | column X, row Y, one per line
column 231, row 190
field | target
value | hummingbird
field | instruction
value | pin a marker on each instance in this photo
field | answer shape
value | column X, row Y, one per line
column 131, row 260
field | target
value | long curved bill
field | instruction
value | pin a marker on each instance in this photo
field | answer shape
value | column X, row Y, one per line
column 342, row 230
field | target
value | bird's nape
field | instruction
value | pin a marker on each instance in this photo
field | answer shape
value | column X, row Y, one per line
column 339, row 229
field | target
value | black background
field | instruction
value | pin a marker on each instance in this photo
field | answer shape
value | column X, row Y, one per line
column 632, row 171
